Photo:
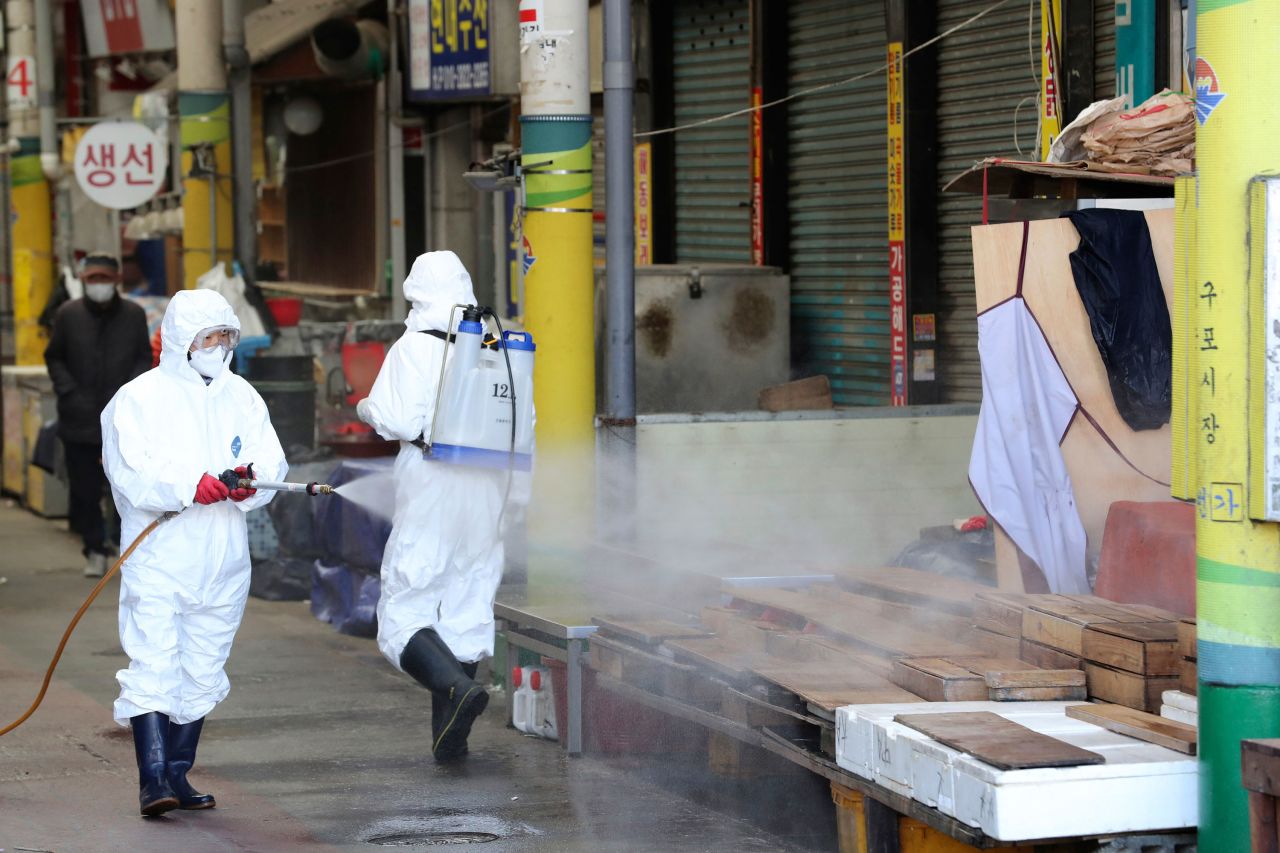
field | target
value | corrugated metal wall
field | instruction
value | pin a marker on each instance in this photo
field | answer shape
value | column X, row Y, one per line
column 1104, row 49
column 837, row 197
column 988, row 77
column 711, row 76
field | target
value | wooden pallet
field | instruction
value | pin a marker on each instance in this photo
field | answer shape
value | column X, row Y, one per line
column 882, row 635
column 912, row 586
column 1036, row 685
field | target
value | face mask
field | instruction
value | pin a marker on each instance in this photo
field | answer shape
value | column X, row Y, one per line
column 210, row 362
column 100, row 292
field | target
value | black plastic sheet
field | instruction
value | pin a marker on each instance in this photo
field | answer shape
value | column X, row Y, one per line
column 1119, row 284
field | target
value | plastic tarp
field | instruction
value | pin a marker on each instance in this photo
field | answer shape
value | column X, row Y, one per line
column 1119, row 284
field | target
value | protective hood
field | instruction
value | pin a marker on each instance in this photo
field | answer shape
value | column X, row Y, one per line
column 437, row 282
column 189, row 313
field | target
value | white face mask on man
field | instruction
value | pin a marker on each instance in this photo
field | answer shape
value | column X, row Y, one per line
column 210, row 362
column 99, row 292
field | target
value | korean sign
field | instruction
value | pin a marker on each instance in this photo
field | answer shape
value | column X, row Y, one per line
column 449, row 54
column 120, row 164
column 897, row 232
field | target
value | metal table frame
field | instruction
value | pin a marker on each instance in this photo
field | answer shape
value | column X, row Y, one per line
column 525, row 630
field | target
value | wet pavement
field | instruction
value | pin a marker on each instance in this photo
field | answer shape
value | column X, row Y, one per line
column 321, row 746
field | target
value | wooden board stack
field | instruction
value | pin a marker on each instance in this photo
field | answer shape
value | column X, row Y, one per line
column 1187, row 652
column 1129, row 653
column 976, row 678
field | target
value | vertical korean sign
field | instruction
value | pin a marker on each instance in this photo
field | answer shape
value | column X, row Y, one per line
column 644, row 203
column 448, row 49
column 1050, row 91
column 897, row 233
column 757, row 178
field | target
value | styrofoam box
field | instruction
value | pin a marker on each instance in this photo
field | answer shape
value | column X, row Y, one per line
column 1142, row 787
column 1181, row 701
column 1180, row 716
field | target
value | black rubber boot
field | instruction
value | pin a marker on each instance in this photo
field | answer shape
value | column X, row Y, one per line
column 438, row 705
column 150, row 734
column 432, row 664
column 182, row 755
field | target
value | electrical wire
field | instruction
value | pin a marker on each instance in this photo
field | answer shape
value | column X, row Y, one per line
column 338, row 161
column 826, row 86
column 75, row 620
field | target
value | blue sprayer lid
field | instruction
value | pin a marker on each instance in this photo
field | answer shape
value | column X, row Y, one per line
column 470, row 327
column 519, row 341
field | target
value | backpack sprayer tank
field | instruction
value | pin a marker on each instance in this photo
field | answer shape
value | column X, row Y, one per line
column 484, row 399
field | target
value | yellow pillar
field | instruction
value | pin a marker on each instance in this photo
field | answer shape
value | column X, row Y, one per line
column 32, row 248
column 205, row 125
column 1237, row 556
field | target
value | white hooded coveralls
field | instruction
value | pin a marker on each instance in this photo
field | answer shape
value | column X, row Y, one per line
column 443, row 561
column 183, row 591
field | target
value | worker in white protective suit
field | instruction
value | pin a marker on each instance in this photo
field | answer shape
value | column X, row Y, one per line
column 166, row 437
column 444, row 558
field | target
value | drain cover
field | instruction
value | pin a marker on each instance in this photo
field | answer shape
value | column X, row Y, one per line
column 414, row 839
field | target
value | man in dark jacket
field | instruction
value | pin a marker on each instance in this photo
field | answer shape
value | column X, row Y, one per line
column 99, row 343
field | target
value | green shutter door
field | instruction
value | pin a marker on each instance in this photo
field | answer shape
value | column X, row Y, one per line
column 988, row 77
column 712, row 77
column 837, row 197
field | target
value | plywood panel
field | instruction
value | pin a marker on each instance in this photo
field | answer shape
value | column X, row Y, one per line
column 999, row 742
column 1138, row 724
column 1099, row 472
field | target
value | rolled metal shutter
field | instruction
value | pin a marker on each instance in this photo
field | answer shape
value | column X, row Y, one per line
column 1104, row 49
column 988, row 78
column 712, row 77
column 837, row 197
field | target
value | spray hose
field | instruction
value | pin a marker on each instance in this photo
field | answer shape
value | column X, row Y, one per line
column 75, row 620
column 232, row 480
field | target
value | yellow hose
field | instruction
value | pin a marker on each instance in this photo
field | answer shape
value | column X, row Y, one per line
column 75, row 620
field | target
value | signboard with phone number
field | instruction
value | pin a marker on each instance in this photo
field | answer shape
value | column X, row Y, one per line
column 449, row 55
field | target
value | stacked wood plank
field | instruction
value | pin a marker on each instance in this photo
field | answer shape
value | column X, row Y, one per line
column 780, row 662
column 1129, row 653
column 1187, row 673
column 978, row 678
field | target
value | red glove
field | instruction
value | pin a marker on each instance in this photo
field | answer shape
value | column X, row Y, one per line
column 210, row 490
column 238, row 495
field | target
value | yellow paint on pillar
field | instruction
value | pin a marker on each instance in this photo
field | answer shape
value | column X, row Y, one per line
column 32, row 237
column 196, row 232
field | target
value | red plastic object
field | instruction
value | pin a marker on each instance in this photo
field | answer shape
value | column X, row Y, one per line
column 517, row 677
column 286, row 310
column 1149, row 555
column 535, row 681
column 360, row 365
column 977, row 522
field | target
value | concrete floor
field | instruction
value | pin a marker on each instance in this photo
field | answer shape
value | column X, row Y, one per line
column 320, row 746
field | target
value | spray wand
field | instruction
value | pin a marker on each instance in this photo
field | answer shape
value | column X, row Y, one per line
column 233, row 480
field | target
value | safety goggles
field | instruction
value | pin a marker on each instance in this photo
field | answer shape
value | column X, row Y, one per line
column 223, row 336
